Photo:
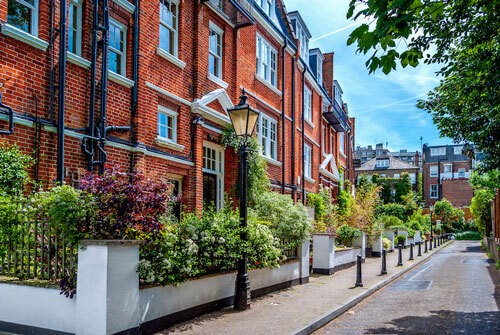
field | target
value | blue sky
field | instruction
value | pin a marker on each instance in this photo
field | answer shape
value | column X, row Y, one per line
column 384, row 105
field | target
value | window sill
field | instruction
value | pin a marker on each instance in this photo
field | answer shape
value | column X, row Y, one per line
column 271, row 161
column 309, row 180
column 78, row 60
column 169, row 144
column 217, row 80
column 176, row 61
column 309, row 122
column 23, row 36
column 125, row 5
column 119, row 79
column 268, row 84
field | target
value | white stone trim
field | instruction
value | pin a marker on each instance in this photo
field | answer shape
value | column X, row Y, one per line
column 271, row 161
column 23, row 36
column 125, row 5
column 217, row 80
column 169, row 144
column 212, row 128
column 309, row 122
column 262, row 101
column 78, row 60
column 113, row 76
column 168, row 94
column 309, row 180
column 171, row 58
column 268, row 84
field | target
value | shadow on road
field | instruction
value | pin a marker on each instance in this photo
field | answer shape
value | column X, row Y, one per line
column 443, row 323
column 475, row 248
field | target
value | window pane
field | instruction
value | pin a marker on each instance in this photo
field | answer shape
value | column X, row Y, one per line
column 211, row 64
column 165, row 43
column 19, row 15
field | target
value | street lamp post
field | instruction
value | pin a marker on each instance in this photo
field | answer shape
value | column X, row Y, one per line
column 432, row 236
column 244, row 118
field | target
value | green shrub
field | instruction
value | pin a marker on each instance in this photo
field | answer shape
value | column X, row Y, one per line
column 469, row 235
column 287, row 221
column 390, row 221
column 400, row 239
column 346, row 233
column 386, row 243
column 318, row 203
column 13, row 167
column 396, row 210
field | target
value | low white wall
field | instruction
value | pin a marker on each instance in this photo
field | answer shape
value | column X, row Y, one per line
column 323, row 251
column 377, row 243
column 157, row 302
column 37, row 307
column 360, row 242
column 417, row 237
column 346, row 256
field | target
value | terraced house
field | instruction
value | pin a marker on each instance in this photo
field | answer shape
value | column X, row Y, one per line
column 147, row 84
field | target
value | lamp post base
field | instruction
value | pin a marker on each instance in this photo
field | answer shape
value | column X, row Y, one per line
column 242, row 294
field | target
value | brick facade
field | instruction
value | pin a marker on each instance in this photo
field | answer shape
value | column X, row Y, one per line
column 178, row 83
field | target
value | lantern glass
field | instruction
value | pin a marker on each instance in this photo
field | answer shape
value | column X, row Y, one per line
column 243, row 118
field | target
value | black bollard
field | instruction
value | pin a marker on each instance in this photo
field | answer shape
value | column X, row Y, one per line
column 435, row 243
column 430, row 243
column 411, row 252
column 425, row 250
column 419, row 249
column 359, row 282
column 384, row 264
column 400, row 255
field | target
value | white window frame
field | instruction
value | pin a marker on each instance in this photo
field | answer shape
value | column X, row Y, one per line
column 307, row 161
column 337, row 95
column 447, row 168
column 266, row 67
column 76, row 5
column 267, row 6
column 35, row 8
column 342, row 143
column 461, row 173
column 123, row 54
column 396, row 176
column 220, row 33
column 434, row 191
column 219, row 170
column 217, row 3
column 307, row 104
column 381, row 163
column 169, row 114
column 304, row 44
column 458, row 150
column 323, row 135
column 268, row 138
column 331, row 142
column 174, row 29
column 439, row 151
column 433, row 171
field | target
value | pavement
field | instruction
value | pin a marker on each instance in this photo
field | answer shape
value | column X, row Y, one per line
column 303, row 309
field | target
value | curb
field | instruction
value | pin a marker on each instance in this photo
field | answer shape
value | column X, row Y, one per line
column 329, row 316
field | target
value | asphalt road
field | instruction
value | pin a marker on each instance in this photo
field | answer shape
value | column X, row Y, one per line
column 456, row 292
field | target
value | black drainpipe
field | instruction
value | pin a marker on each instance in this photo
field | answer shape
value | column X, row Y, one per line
column 283, row 163
column 303, row 136
column 89, row 149
column 104, row 86
column 135, row 78
column 62, row 87
column 293, row 130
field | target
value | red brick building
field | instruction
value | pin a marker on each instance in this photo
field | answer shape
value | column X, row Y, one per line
column 147, row 84
column 445, row 174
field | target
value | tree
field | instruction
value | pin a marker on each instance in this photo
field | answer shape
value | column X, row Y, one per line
column 448, row 214
column 463, row 37
column 484, row 185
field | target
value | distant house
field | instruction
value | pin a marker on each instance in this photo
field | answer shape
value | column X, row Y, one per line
column 389, row 167
column 445, row 174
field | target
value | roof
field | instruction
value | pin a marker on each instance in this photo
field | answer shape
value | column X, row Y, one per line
column 394, row 164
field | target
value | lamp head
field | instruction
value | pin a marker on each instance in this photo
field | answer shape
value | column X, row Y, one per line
column 243, row 117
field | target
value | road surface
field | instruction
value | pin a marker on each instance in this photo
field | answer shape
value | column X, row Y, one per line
column 456, row 292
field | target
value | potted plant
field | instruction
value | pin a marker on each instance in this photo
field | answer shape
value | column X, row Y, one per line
column 400, row 240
